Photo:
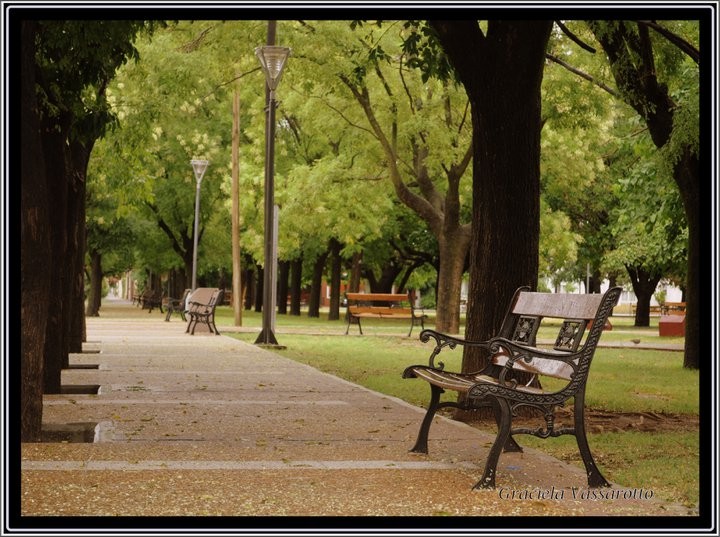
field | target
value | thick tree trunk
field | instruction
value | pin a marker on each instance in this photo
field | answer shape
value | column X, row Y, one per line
column 502, row 78
column 78, row 156
column 687, row 177
column 94, row 297
column 56, row 343
column 35, row 245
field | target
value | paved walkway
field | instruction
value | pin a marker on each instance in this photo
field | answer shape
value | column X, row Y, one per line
column 209, row 425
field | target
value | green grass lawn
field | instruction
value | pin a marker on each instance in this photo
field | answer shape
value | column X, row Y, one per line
column 621, row 380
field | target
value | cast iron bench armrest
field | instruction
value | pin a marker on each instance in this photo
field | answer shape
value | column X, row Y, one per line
column 445, row 340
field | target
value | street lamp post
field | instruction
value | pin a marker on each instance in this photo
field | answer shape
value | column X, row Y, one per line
column 199, row 167
column 272, row 60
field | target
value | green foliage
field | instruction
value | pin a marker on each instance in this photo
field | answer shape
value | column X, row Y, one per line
column 648, row 220
column 77, row 59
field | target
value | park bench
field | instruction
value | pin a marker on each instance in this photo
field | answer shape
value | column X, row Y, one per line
column 139, row 299
column 201, row 308
column 394, row 306
column 673, row 308
column 514, row 350
column 177, row 305
column 150, row 299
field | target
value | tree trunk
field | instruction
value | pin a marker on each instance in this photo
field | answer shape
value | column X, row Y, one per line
column 295, row 285
column 56, row 344
column 35, row 245
column 259, row 285
column 249, row 282
column 283, row 279
column 316, row 285
column 644, row 285
column 335, row 279
column 452, row 265
column 78, row 156
column 93, row 303
column 502, row 78
column 355, row 271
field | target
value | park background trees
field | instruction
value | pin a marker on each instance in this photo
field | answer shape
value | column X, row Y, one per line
column 363, row 184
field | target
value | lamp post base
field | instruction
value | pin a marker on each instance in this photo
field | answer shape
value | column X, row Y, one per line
column 267, row 340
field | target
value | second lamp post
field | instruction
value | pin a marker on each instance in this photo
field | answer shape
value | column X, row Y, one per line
column 199, row 167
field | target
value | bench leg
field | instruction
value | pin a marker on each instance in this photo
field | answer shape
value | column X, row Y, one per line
column 347, row 329
column 511, row 446
column 422, row 439
column 595, row 478
column 413, row 321
column 487, row 481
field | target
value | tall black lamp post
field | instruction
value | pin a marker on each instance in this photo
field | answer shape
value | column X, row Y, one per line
column 272, row 60
column 199, row 167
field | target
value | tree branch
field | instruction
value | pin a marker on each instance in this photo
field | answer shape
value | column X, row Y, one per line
column 582, row 74
column 575, row 39
column 675, row 39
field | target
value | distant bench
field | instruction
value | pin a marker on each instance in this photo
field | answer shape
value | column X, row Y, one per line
column 177, row 305
column 514, row 350
column 668, row 308
column 673, row 308
column 149, row 299
column 394, row 306
column 201, row 308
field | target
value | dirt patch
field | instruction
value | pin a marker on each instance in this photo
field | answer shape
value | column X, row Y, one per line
column 598, row 421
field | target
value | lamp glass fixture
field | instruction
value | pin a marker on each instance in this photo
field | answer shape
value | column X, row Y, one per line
column 272, row 60
column 199, row 167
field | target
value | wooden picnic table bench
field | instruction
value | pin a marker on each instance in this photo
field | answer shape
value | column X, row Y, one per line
column 394, row 306
column 201, row 308
column 514, row 350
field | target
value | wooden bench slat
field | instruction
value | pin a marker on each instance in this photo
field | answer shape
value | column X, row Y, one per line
column 538, row 366
column 558, row 305
column 377, row 297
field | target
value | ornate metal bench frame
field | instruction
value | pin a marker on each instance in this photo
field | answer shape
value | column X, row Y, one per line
column 514, row 350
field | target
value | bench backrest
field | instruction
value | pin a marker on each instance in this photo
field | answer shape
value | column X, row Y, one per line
column 577, row 313
column 205, row 296
column 377, row 297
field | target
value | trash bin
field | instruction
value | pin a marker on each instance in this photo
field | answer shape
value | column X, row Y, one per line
column 672, row 325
